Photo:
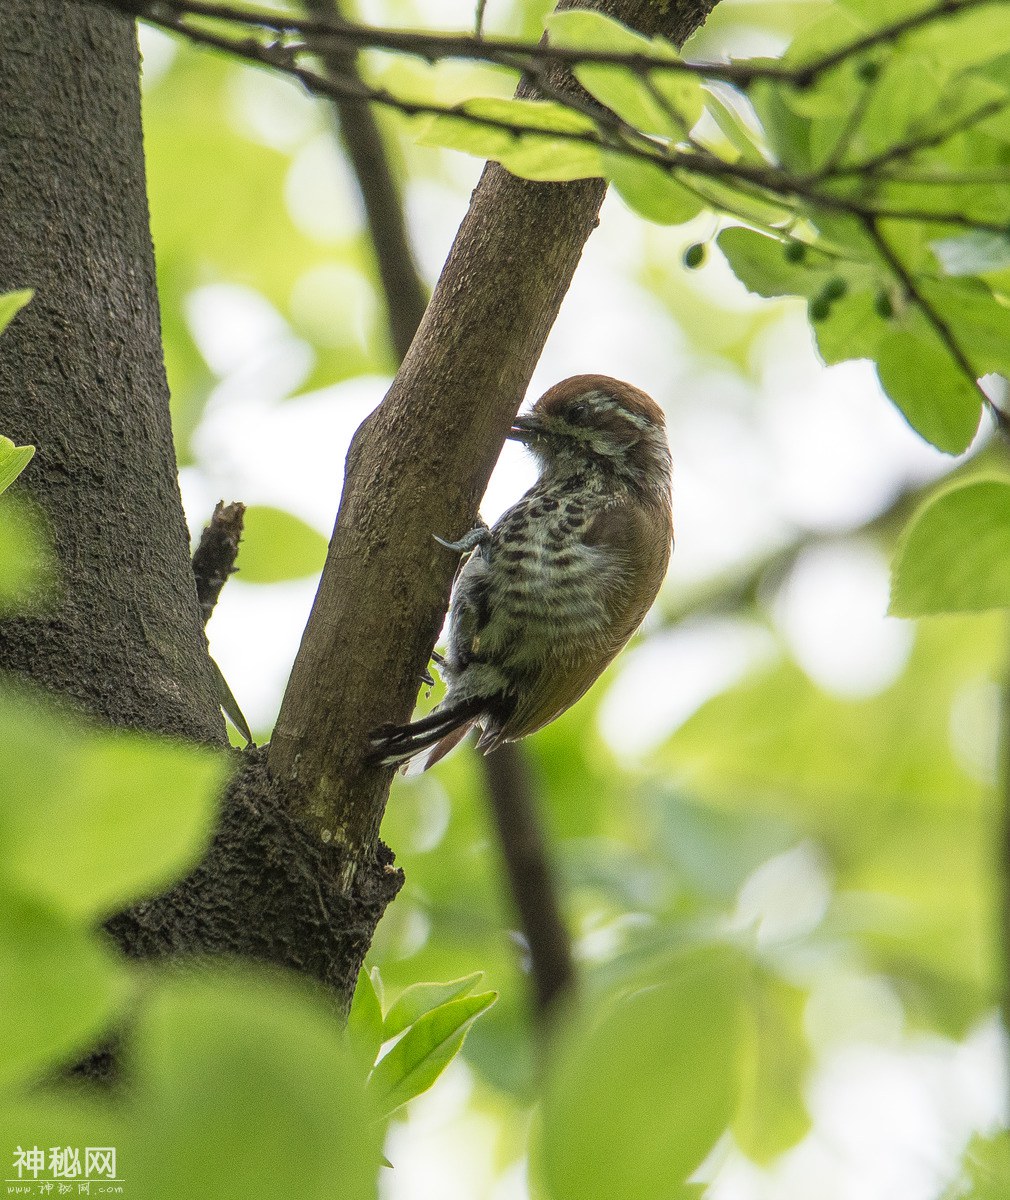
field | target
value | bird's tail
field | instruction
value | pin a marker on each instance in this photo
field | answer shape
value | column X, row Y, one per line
column 421, row 744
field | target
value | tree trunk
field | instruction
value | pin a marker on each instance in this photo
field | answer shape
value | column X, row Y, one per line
column 82, row 378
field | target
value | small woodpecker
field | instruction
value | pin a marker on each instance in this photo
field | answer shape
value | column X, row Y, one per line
column 551, row 593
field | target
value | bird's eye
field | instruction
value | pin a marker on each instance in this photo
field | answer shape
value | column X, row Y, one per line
column 577, row 412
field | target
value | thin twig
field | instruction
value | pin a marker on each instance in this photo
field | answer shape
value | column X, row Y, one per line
column 609, row 133
column 886, row 35
column 927, row 141
column 506, row 51
column 939, row 325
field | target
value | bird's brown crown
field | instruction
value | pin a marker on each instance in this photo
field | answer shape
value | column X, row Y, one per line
column 558, row 399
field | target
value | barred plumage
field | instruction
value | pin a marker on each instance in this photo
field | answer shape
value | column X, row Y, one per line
column 551, row 593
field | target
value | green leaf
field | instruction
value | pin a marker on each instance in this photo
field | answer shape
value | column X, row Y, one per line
column 651, row 191
column 420, row 998
column 13, row 460
column 277, row 545
column 26, row 569
column 533, row 155
column 852, row 328
column 11, row 303
column 101, row 817
column 661, row 102
column 935, row 396
column 364, row 1022
column 640, row 1095
column 244, row 1086
column 424, row 1051
column 787, row 131
column 60, row 989
column 738, row 134
column 776, row 1059
column 762, row 266
column 977, row 319
column 955, row 556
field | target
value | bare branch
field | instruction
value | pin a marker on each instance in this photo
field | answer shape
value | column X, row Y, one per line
column 341, row 36
column 527, row 862
column 403, row 289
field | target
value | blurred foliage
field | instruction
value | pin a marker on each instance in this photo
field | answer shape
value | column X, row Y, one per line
column 276, row 545
column 247, row 186
column 956, row 556
column 242, row 1082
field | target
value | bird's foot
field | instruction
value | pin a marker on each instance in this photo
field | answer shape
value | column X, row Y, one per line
column 426, row 676
column 478, row 537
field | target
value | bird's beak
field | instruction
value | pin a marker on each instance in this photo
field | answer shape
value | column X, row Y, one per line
column 524, row 429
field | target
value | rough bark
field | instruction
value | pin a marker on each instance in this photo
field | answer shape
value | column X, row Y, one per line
column 514, row 804
column 268, row 891
column 82, row 378
column 419, row 466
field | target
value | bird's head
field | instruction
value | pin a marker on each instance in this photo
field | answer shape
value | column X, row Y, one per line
column 594, row 422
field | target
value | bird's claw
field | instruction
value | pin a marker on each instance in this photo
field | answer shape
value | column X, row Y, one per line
column 479, row 536
column 426, row 676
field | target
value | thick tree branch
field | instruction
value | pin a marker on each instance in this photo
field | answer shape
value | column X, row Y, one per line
column 82, row 377
column 510, row 786
column 418, row 467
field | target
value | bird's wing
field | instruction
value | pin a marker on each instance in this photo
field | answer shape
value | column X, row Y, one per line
column 638, row 542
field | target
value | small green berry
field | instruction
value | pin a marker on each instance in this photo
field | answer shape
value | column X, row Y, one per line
column 694, row 256
column 883, row 305
column 820, row 308
column 835, row 288
column 794, row 252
